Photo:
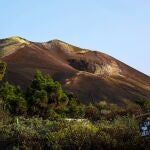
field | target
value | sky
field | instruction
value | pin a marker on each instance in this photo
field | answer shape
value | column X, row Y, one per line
column 120, row 28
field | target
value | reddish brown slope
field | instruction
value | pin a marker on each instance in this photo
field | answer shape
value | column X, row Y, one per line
column 92, row 75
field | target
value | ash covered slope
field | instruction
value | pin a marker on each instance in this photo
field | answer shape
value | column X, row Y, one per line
column 91, row 75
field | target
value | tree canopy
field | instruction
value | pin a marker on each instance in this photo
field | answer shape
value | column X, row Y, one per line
column 45, row 97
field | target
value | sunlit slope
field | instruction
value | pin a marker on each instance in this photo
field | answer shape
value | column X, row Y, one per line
column 10, row 45
column 91, row 75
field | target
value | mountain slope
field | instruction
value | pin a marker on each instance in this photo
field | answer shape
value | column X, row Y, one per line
column 91, row 75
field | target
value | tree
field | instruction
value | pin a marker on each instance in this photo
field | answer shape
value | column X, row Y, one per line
column 13, row 99
column 2, row 69
column 44, row 91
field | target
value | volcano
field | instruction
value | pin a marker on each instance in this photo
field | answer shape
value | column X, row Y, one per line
column 91, row 75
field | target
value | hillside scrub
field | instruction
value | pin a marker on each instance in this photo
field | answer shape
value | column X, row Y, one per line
column 47, row 117
column 36, row 133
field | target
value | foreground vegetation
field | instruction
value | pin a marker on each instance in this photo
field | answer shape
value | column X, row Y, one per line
column 38, row 118
column 36, row 133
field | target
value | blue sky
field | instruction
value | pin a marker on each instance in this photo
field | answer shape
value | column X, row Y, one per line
column 120, row 28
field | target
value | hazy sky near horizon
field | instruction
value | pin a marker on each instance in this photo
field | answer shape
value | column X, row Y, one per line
column 120, row 28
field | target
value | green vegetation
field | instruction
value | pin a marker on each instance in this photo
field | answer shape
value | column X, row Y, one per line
column 36, row 133
column 12, row 98
column 46, row 117
column 2, row 69
column 144, row 103
column 44, row 98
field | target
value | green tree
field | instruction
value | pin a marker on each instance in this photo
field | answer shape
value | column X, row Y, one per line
column 44, row 91
column 13, row 99
column 2, row 69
